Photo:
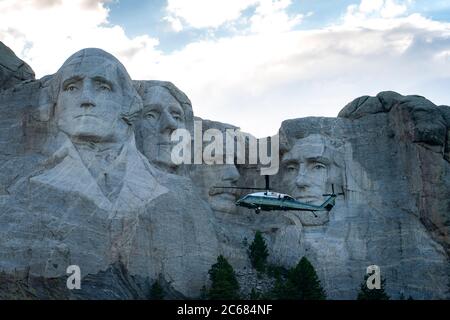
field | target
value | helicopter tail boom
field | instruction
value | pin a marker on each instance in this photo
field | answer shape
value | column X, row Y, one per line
column 329, row 203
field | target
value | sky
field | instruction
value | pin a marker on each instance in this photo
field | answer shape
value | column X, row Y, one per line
column 250, row 63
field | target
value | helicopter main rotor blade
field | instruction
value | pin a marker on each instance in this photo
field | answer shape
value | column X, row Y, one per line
column 243, row 188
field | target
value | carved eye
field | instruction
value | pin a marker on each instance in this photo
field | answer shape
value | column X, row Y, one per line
column 291, row 168
column 104, row 87
column 319, row 166
column 152, row 115
column 71, row 88
column 177, row 116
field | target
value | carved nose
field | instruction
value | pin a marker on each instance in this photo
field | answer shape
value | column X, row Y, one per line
column 231, row 174
column 302, row 181
column 88, row 104
column 167, row 123
column 87, row 100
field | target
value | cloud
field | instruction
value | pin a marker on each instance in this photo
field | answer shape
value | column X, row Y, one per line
column 369, row 9
column 269, row 16
column 205, row 13
column 45, row 33
column 257, row 78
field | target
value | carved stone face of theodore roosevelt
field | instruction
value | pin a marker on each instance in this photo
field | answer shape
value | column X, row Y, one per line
column 208, row 177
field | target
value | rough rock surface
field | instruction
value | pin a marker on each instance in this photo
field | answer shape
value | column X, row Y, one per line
column 389, row 155
column 395, row 211
column 12, row 69
column 420, row 131
column 54, row 215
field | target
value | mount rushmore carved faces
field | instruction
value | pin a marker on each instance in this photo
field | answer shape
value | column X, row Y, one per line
column 166, row 108
column 96, row 104
column 310, row 167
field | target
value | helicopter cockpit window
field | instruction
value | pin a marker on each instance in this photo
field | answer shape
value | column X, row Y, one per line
column 288, row 198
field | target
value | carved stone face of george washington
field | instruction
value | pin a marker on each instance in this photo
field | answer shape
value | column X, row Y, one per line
column 91, row 103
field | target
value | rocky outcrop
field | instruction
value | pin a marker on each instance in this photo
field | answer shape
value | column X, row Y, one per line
column 12, row 69
column 390, row 155
column 56, row 211
column 420, row 131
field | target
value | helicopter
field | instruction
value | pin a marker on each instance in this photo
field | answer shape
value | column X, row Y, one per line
column 268, row 200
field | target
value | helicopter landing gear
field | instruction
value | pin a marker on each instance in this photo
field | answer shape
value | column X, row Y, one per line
column 258, row 210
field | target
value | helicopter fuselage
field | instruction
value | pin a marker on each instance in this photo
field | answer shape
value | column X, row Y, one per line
column 268, row 201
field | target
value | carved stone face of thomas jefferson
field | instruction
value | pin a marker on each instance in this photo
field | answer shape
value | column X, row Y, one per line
column 310, row 168
column 91, row 98
column 162, row 115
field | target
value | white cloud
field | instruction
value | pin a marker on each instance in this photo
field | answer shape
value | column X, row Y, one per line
column 369, row 6
column 371, row 9
column 206, row 13
column 270, row 15
column 45, row 33
column 258, row 80
column 175, row 22
column 392, row 9
column 255, row 80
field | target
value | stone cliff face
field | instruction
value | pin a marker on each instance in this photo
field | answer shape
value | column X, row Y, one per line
column 127, row 215
column 12, row 69
column 419, row 131
column 390, row 152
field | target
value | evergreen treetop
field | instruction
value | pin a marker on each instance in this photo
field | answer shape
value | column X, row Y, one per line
column 224, row 285
column 372, row 294
column 156, row 291
column 301, row 283
column 258, row 252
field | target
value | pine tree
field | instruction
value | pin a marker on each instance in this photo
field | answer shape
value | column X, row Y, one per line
column 203, row 293
column 156, row 291
column 372, row 294
column 224, row 285
column 303, row 283
column 448, row 288
column 278, row 291
column 258, row 252
column 254, row 295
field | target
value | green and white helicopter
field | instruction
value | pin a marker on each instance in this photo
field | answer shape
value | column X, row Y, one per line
column 268, row 201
